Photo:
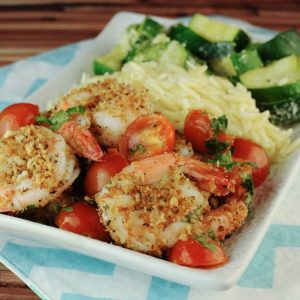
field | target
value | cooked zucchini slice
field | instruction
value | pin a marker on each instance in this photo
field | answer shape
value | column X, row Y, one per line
column 188, row 38
column 276, row 93
column 282, row 45
column 110, row 62
column 236, row 63
column 171, row 53
column 215, row 31
column 198, row 45
column 215, row 50
column 142, row 35
column 278, row 73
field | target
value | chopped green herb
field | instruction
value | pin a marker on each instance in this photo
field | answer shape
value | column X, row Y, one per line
column 204, row 241
column 32, row 206
column 219, row 124
column 248, row 185
column 247, row 182
column 249, row 199
column 214, row 146
column 75, row 110
column 60, row 117
column 106, row 206
column 68, row 209
column 194, row 215
column 223, row 160
column 137, row 148
column 56, row 208
column 42, row 119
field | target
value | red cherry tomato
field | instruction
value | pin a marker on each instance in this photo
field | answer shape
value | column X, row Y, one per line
column 197, row 129
column 17, row 115
column 192, row 253
column 247, row 151
column 147, row 136
column 83, row 219
column 99, row 173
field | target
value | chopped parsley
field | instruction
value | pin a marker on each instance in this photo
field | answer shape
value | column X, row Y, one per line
column 248, row 185
column 68, row 209
column 223, row 160
column 137, row 148
column 204, row 241
column 56, row 208
column 32, row 206
column 193, row 215
column 57, row 120
column 214, row 146
column 219, row 124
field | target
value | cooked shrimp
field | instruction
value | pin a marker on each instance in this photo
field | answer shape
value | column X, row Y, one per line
column 225, row 220
column 110, row 105
column 229, row 217
column 145, row 206
column 148, row 206
column 36, row 166
column 81, row 140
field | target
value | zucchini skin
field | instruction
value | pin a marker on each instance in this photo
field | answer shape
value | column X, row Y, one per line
column 199, row 46
column 284, row 112
column 241, row 41
column 187, row 37
column 100, row 68
column 146, row 32
column 276, row 93
column 245, row 61
column 283, row 44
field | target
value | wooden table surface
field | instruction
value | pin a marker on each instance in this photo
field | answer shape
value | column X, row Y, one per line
column 29, row 27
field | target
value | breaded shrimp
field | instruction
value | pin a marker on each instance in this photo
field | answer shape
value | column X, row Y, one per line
column 110, row 106
column 36, row 166
column 145, row 206
column 151, row 204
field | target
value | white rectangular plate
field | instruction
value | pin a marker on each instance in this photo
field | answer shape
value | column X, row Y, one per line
column 241, row 246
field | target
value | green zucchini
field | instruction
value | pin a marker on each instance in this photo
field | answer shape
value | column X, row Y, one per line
column 284, row 112
column 141, row 36
column 215, row 50
column 276, row 93
column 280, row 72
column 199, row 46
column 236, row 63
column 170, row 52
column 188, row 38
column 110, row 62
column 215, row 31
column 150, row 28
column 282, row 45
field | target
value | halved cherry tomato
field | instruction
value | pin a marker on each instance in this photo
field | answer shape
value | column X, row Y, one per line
column 248, row 151
column 192, row 253
column 198, row 130
column 147, row 136
column 83, row 219
column 17, row 115
column 99, row 173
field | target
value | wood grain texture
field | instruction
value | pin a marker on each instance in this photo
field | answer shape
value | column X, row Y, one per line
column 29, row 27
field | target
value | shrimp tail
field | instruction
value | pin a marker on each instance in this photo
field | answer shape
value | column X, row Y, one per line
column 81, row 140
column 209, row 178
